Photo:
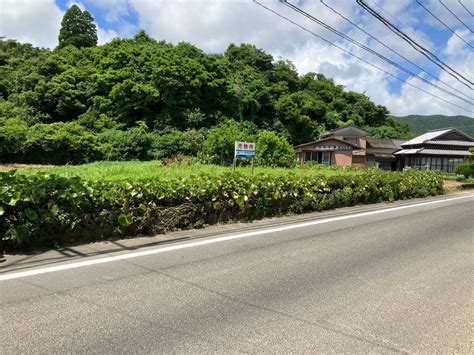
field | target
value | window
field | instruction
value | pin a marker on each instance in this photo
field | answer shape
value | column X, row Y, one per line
column 318, row 157
column 425, row 162
column 326, row 158
column 436, row 163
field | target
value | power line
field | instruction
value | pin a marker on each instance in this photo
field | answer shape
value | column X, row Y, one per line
column 357, row 57
column 452, row 13
column 413, row 34
column 392, row 50
column 428, row 54
column 421, row 40
column 440, row 21
column 470, row 13
column 377, row 54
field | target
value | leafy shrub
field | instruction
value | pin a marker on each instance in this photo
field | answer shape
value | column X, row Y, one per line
column 219, row 146
column 59, row 143
column 187, row 143
column 273, row 150
column 43, row 208
column 466, row 169
column 134, row 143
column 13, row 133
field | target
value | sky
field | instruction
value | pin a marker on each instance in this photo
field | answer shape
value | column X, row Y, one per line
column 213, row 24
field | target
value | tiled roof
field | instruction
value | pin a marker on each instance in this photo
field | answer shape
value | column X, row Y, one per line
column 407, row 152
column 382, row 143
column 464, row 153
column 346, row 126
column 327, row 139
column 456, row 143
column 398, row 143
column 433, row 135
column 426, row 137
column 424, row 151
column 384, row 155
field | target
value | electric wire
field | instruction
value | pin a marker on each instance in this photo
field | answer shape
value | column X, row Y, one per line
column 391, row 49
column 377, row 54
column 357, row 57
column 452, row 13
column 413, row 34
column 442, row 22
column 407, row 27
column 469, row 12
column 428, row 54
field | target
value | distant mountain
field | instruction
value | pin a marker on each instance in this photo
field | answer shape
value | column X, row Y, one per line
column 421, row 124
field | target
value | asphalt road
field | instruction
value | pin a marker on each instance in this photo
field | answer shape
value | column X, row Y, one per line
column 396, row 280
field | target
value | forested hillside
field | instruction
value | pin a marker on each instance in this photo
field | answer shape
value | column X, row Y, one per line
column 421, row 124
column 142, row 99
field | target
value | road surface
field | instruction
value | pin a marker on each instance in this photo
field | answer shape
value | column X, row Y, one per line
column 386, row 280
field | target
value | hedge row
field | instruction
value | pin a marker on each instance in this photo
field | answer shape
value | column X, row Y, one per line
column 43, row 209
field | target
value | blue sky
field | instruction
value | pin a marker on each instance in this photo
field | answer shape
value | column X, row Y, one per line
column 213, row 24
column 107, row 17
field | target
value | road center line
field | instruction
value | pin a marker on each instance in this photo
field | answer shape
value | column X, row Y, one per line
column 21, row 274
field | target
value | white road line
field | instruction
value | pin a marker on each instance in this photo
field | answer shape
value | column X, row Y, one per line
column 17, row 275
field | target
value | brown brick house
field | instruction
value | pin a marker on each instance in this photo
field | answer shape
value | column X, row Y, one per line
column 350, row 146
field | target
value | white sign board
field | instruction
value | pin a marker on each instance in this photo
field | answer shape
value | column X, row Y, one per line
column 244, row 150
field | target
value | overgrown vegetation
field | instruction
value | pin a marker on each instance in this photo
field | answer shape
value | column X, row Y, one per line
column 175, row 168
column 42, row 208
column 142, row 99
column 467, row 167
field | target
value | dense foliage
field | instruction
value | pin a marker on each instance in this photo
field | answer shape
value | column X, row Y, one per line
column 45, row 208
column 96, row 95
column 466, row 169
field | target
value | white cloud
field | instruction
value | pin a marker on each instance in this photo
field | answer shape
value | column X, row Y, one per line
column 115, row 9
column 35, row 22
column 38, row 22
column 104, row 36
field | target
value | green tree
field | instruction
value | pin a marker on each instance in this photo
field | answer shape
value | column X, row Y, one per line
column 219, row 146
column 77, row 29
column 274, row 150
column 13, row 134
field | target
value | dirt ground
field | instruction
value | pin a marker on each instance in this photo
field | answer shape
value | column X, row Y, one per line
column 453, row 185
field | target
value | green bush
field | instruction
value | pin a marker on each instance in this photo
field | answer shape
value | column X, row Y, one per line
column 273, row 150
column 42, row 208
column 59, row 143
column 13, row 134
column 466, row 169
column 219, row 146
column 134, row 143
column 187, row 143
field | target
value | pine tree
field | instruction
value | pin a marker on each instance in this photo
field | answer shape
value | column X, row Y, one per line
column 77, row 29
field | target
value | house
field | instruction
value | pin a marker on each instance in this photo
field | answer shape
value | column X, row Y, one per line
column 441, row 149
column 349, row 146
column 380, row 153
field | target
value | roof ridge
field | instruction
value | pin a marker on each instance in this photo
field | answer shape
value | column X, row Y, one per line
column 441, row 129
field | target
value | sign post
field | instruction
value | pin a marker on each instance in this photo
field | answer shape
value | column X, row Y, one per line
column 244, row 150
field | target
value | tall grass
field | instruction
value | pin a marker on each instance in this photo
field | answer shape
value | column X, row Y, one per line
column 139, row 170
